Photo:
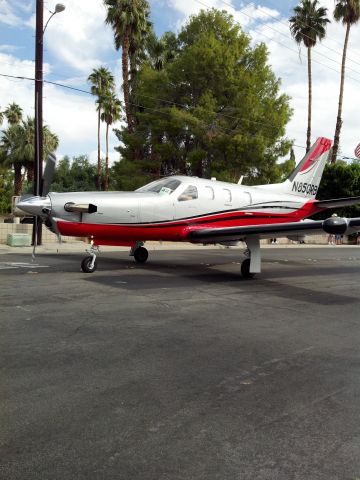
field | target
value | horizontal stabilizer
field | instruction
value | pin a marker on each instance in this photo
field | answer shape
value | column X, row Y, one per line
column 337, row 202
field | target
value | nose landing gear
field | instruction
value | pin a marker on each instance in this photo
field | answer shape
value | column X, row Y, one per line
column 89, row 264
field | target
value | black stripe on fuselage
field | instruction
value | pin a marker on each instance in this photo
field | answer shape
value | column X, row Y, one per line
column 172, row 223
column 252, row 207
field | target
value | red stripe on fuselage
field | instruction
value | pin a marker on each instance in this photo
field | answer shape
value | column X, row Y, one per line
column 177, row 230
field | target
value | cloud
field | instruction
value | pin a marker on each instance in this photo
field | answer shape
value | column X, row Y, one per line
column 8, row 48
column 77, row 41
column 290, row 64
column 285, row 61
column 70, row 115
column 78, row 36
column 7, row 15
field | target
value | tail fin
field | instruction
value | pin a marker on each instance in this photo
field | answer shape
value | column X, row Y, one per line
column 305, row 179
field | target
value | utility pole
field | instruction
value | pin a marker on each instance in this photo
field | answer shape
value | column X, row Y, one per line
column 39, row 148
column 38, row 160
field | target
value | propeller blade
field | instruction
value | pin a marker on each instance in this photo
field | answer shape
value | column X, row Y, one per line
column 48, row 175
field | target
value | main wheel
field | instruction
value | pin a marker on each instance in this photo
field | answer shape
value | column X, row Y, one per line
column 245, row 269
column 141, row 254
column 87, row 266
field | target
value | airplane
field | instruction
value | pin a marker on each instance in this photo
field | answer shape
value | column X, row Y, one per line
column 197, row 210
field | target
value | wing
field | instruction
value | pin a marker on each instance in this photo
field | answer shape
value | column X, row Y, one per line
column 306, row 227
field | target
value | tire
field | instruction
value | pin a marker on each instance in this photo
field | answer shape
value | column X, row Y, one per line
column 245, row 269
column 141, row 255
column 86, row 266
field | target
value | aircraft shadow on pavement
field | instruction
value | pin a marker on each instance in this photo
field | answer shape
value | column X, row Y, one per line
column 189, row 272
column 158, row 275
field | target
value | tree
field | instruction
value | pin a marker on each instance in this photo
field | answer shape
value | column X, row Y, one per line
column 214, row 110
column 111, row 113
column 161, row 50
column 307, row 26
column 1, row 117
column 6, row 189
column 17, row 149
column 102, row 84
column 347, row 12
column 78, row 175
column 9, row 155
column 340, row 180
column 129, row 21
column 13, row 113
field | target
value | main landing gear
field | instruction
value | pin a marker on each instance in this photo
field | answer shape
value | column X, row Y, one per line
column 252, row 264
column 139, row 252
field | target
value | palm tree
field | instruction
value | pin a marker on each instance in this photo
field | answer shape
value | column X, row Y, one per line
column 26, row 147
column 13, row 113
column 129, row 21
column 8, row 155
column 161, row 50
column 348, row 12
column 307, row 26
column 111, row 113
column 102, row 83
column 17, row 149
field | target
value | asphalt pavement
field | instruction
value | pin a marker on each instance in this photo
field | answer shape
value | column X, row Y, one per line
column 179, row 369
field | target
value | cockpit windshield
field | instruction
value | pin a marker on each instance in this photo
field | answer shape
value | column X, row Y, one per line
column 165, row 186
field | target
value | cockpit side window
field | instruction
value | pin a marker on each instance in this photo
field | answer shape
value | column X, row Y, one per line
column 190, row 193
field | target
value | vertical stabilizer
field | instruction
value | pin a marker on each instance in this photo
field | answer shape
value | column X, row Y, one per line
column 306, row 177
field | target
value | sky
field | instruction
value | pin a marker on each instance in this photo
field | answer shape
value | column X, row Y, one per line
column 77, row 41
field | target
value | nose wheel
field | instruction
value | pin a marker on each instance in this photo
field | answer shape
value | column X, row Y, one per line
column 89, row 264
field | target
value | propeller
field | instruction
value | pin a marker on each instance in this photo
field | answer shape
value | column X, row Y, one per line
column 45, row 184
column 39, row 206
column 48, row 176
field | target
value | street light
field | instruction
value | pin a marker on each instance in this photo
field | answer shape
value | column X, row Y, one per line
column 59, row 7
column 40, row 30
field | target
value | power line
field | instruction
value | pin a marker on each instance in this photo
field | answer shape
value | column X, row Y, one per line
column 276, row 41
column 204, row 125
column 305, row 36
column 305, row 25
column 185, row 107
column 153, row 109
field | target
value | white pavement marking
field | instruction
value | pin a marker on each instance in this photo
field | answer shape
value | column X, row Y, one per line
column 12, row 265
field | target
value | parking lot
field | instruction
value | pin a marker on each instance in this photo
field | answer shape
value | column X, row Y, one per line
column 179, row 369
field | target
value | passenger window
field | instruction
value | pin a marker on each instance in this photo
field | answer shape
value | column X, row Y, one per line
column 227, row 195
column 190, row 193
column 209, row 193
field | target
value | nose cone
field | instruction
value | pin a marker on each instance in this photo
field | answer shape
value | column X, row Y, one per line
column 38, row 206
